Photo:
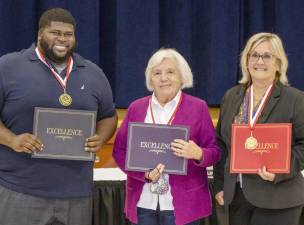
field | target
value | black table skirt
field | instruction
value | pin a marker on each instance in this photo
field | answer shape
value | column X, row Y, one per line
column 108, row 204
column 109, row 199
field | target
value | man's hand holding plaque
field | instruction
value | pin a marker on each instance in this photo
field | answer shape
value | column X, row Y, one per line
column 26, row 142
column 93, row 143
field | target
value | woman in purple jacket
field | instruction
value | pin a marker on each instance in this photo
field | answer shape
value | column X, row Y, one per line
column 154, row 197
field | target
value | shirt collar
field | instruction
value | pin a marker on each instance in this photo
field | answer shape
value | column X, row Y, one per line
column 171, row 103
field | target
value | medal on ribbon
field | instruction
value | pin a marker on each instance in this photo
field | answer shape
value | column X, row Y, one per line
column 251, row 142
column 64, row 99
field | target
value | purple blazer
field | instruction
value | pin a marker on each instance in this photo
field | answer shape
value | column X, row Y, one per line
column 191, row 197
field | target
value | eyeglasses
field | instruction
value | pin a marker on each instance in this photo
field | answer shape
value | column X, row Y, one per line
column 266, row 57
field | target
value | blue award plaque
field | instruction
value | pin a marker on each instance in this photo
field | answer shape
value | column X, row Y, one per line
column 149, row 145
column 63, row 133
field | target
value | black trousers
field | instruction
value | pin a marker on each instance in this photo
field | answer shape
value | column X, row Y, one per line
column 242, row 212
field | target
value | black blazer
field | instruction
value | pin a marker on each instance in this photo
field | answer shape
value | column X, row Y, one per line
column 285, row 105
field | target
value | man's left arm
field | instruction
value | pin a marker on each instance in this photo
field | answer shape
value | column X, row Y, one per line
column 105, row 128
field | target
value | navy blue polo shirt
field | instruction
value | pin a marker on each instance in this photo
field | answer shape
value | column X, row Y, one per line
column 25, row 83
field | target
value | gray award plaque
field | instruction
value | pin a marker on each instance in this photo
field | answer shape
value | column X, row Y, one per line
column 63, row 133
column 149, row 145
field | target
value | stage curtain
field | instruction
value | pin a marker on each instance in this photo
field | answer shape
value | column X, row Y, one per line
column 120, row 36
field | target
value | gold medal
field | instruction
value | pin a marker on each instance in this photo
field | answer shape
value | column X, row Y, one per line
column 251, row 143
column 65, row 99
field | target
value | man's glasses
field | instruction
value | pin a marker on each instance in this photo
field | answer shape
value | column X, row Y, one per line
column 266, row 57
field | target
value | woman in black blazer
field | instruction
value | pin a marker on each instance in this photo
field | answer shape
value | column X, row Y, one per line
column 263, row 198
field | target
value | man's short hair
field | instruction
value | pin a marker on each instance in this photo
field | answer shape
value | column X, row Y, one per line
column 56, row 15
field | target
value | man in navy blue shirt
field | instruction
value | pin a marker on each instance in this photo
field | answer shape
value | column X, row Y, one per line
column 49, row 74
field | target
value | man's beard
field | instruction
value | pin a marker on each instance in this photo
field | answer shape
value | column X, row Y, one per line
column 49, row 53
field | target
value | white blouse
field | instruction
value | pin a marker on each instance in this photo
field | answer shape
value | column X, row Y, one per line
column 162, row 115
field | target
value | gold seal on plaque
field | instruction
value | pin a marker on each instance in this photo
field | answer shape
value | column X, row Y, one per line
column 251, row 143
column 65, row 99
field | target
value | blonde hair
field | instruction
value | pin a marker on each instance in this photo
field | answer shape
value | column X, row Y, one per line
column 182, row 65
column 278, row 51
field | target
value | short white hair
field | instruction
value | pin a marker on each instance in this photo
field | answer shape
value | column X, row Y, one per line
column 182, row 65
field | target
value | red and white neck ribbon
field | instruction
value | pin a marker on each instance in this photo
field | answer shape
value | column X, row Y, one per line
column 61, row 81
column 252, row 120
column 173, row 114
